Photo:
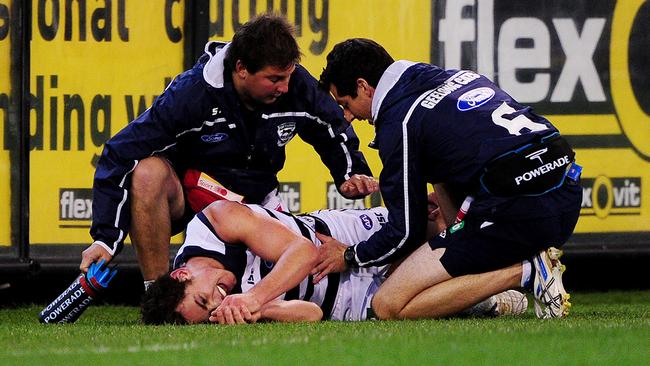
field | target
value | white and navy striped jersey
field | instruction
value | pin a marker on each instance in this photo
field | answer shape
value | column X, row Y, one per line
column 342, row 296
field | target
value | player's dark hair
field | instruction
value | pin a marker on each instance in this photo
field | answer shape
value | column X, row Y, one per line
column 352, row 59
column 160, row 300
column 266, row 40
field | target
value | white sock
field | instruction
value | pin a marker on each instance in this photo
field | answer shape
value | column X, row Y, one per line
column 525, row 273
column 147, row 284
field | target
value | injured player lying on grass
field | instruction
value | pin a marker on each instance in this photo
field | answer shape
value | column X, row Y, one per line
column 243, row 264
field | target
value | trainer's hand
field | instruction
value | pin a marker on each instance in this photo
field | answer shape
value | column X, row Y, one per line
column 93, row 254
column 330, row 257
column 236, row 309
column 359, row 185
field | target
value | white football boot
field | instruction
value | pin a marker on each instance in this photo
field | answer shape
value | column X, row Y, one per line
column 551, row 299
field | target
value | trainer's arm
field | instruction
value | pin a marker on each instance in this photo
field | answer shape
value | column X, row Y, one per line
column 404, row 190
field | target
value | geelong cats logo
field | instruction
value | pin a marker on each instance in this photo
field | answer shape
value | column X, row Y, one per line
column 286, row 132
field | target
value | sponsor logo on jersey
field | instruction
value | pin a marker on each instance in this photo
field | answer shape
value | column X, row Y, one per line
column 537, row 155
column 449, row 86
column 217, row 137
column 285, row 132
column 366, row 221
column 474, row 98
column 546, row 168
column 456, row 227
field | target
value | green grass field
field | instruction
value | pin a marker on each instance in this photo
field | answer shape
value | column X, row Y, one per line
column 603, row 329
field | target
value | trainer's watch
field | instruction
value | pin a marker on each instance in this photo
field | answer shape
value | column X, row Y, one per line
column 350, row 257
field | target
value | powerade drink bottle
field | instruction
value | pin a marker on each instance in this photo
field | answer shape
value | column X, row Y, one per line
column 68, row 306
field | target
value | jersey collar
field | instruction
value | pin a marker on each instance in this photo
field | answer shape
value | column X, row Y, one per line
column 386, row 83
column 213, row 69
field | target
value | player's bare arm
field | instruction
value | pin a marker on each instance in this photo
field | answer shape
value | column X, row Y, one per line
column 290, row 311
column 294, row 255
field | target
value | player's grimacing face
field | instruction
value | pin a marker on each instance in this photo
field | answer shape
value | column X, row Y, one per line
column 204, row 292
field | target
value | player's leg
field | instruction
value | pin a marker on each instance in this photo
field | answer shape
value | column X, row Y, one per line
column 450, row 297
column 421, row 288
column 418, row 272
column 156, row 201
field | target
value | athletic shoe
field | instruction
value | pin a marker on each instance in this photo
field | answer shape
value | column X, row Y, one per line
column 551, row 299
column 510, row 302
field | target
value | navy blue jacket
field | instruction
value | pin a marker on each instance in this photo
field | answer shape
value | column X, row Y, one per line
column 197, row 123
column 440, row 126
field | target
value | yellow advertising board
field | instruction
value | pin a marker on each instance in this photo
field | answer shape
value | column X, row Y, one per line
column 91, row 76
column 98, row 64
column 95, row 65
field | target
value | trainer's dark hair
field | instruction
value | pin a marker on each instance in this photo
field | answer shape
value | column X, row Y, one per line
column 160, row 300
column 266, row 40
column 352, row 59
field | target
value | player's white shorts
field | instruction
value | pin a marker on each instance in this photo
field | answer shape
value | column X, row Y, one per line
column 356, row 289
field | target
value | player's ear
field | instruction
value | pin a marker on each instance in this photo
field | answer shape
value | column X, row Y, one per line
column 364, row 88
column 181, row 274
column 240, row 69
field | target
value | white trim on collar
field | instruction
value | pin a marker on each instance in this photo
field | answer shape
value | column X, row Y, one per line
column 213, row 69
column 386, row 83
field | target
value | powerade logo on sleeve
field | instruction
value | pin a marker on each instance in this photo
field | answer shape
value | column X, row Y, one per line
column 217, row 137
column 474, row 98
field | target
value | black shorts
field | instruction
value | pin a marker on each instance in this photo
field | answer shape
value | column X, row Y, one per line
column 482, row 244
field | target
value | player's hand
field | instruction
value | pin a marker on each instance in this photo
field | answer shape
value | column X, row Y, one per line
column 359, row 185
column 93, row 254
column 330, row 258
column 236, row 309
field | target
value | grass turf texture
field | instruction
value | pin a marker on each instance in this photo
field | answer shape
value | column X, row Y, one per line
column 603, row 328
